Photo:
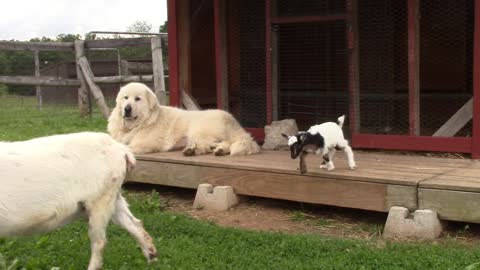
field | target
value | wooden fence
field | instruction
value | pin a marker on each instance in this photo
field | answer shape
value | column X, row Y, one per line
column 86, row 81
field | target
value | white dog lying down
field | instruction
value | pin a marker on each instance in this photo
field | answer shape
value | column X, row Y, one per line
column 145, row 126
column 47, row 182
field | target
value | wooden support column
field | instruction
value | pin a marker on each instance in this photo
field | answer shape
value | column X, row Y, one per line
column 476, row 83
column 184, row 51
column 173, row 54
column 414, row 66
column 94, row 89
column 83, row 98
column 38, row 88
column 158, row 71
column 353, row 66
column 268, row 59
column 274, row 61
column 221, row 74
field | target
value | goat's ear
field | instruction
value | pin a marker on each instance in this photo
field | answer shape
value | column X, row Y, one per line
column 285, row 136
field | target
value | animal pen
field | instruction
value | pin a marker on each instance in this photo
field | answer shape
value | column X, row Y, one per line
column 402, row 71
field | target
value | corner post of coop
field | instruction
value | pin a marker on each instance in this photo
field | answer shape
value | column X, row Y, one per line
column 476, row 83
column 173, row 53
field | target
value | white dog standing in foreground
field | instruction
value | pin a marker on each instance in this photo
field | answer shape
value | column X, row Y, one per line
column 47, row 182
column 139, row 121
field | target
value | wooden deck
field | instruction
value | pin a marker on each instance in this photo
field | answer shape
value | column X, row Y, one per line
column 449, row 186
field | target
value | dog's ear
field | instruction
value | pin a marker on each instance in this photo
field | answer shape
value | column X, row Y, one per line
column 152, row 100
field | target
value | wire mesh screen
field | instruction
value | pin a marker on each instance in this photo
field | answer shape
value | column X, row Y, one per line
column 246, row 61
column 287, row 8
column 383, row 66
column 446, row 53
column 313, row 72
column 202, row 53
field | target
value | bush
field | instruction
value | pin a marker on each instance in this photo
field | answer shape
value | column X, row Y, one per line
column 3, row 89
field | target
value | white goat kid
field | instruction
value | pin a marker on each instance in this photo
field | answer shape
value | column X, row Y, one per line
column 47, row 182
column 324, row 139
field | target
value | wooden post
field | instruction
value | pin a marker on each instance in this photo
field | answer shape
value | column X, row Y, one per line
column 184, row 52
column 274, row 61
column 476, row 83
column 83, row 99
column 38, row 88
column 95, row 90
column 414, row 67
column 353, row 67
column 268, row 61
column 173, row 54
column 158, row 72
column 221, row 53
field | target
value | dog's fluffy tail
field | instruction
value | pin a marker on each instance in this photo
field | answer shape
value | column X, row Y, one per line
column 341, row 119
column 244, row 145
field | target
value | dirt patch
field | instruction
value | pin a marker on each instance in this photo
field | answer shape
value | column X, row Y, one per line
column 264, row 214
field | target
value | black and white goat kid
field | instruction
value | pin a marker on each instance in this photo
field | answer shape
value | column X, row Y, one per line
column 324, row 139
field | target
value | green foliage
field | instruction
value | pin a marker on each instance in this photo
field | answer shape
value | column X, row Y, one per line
column 3, row 89
column 163, row 28
column 140, row 26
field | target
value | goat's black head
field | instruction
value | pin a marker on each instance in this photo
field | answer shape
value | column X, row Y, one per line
column 295, row 143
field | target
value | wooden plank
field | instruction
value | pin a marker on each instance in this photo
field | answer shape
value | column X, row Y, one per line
column 274, row 62
column 118, row 43
column 457, row 121
column 124, row 79
column 331, row 191
column 140, row 66
column 416, row 143
column 43, row 81
column 94, row 89
column 36, row 46
column 221, row 68
column 451, row 205
column 158, row 72
column 309, row 19
column 38, row 89
column 189, row 102
column 452, row 182
column 268, row 61
column 83, row 97
column 414, row 66
column 398, row 195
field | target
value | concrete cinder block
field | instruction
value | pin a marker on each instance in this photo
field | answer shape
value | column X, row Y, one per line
column 424, row 224
column 219, row 198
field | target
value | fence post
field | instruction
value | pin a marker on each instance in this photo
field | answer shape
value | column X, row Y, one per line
column 83, row 100
column 158, row 71
column 38, row 89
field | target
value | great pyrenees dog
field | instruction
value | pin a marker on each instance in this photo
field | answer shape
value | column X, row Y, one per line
column 140, row 122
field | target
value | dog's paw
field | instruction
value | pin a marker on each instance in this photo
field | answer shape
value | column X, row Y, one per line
column 189, row 152
column 219, row 152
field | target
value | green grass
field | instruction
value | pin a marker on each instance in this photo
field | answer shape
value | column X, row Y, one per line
column 186, row 243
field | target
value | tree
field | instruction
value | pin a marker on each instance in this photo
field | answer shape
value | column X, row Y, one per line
column 163, row 28
column 140, row 26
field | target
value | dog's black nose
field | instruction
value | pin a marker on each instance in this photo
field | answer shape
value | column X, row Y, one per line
column 128, row 110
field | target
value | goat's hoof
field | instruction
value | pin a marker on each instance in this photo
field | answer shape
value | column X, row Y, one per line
column 189, row 152
column 323, row 166
column 353, row 167
column 219, row 152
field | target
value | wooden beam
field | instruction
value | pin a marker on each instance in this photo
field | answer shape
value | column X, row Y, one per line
column 94, row 89
column 38, row 89
column 221, row 68
column 274, row 62
column 414, row 66
column 189, row 102
column 83, row 97
column 41, row 81
column 140, row 66
column 36, row 46
column 268, row 61
column 457, row 121
column 118, row 43
column 158, row 72
column 173, row 54
column 184, row 43
column 124, row 79
column 353, row 65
